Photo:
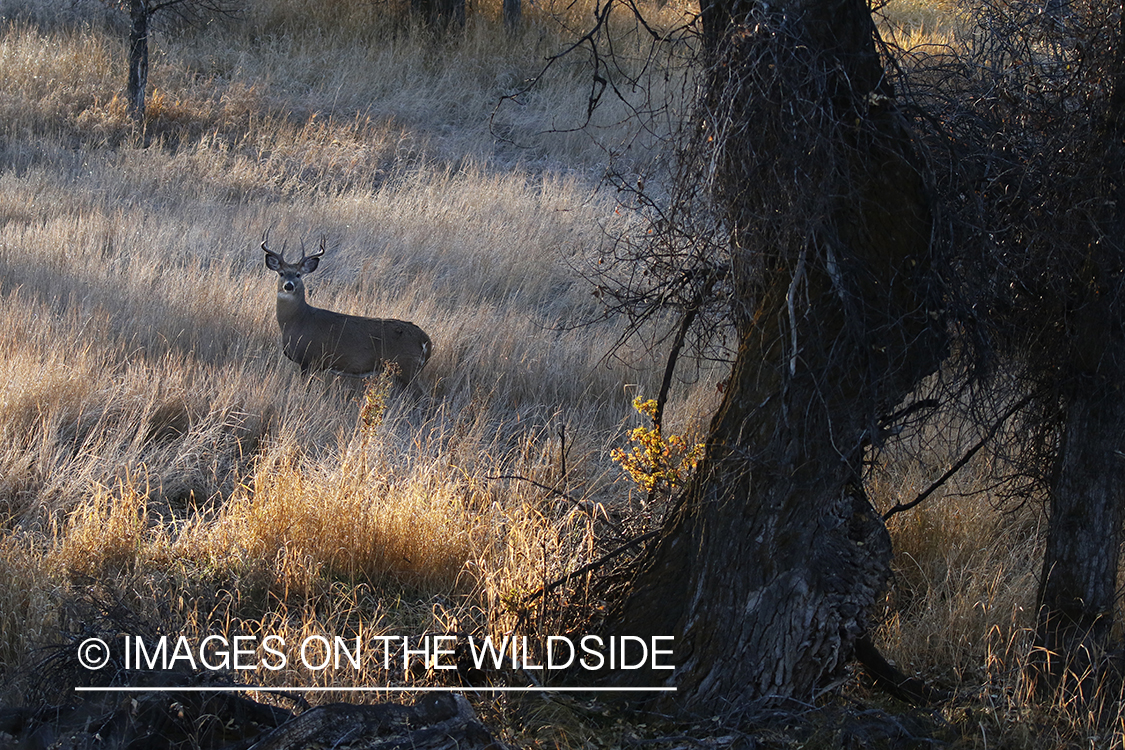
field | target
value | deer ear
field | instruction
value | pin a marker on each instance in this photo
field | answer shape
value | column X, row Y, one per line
column 273, row 262
column 308, row 265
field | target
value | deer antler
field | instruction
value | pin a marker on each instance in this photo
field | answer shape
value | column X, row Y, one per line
column 265, row 246
column 319, row 251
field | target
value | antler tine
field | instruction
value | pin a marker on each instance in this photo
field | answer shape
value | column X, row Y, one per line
column 320, row 250
column 314, row 254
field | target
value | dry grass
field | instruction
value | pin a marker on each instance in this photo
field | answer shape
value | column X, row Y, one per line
column 960, row 612
column 911, row 24
column 155, row 448
column 966, row 564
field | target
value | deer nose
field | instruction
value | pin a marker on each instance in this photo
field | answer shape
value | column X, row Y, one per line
column 288, row 286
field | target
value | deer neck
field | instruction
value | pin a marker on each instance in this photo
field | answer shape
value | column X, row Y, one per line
column 291, row 306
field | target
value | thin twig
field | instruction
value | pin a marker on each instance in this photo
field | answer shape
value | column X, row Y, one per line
column 547, row 588
column 961, row 461
column 579, row 504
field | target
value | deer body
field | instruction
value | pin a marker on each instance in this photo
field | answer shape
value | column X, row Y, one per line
column 318, row 339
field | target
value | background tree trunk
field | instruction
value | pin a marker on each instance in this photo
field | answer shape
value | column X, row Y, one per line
column 440, row 13
column 138, row 58
column 513, row 12
column 1078, row 586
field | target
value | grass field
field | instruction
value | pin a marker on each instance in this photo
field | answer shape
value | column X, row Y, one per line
column 157, row 449
column 154, row 443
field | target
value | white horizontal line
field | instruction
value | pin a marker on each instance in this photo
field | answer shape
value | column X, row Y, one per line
column 264, row 689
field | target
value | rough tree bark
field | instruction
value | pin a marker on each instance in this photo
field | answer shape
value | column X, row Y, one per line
column 765, row 571
column 1078, row 586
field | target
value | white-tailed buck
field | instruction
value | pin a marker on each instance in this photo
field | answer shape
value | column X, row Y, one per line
column 319, row 339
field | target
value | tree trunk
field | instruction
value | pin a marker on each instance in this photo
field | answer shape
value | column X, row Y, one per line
column 513, row 12
column 1078, row 587
column 765, row 573
column 138, row 59
column 441, row 14
column 1078, row 584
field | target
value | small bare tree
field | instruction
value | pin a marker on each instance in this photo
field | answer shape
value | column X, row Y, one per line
column 143, row 15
